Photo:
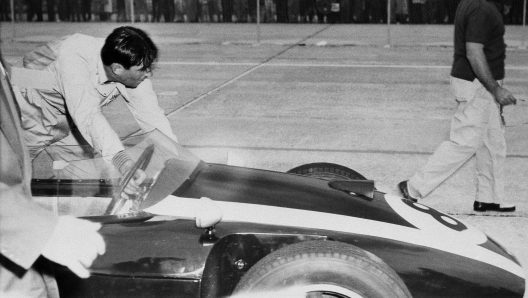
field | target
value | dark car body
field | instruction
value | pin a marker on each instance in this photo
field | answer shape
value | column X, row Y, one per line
column 150, row 255
column 153, row 255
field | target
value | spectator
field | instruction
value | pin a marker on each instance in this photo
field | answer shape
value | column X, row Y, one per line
column 167, row 6
column 199, row 10
column 252, row 9
column 441, row 16
column 121, row 11
column 334, row 12
column 140, row 10
column 64, row 10
column 179, row 12
column 451, row 10
column 50, row 8
column 86, row 10
column 34, row 9
column 5, row 10
column 282, row 11
column 269, row 11
column 418, row 12
column 240, row 9
column 402, row 11
column 431, row 8
column 193, row 10
column 378, row 11
column 227, row 11
column 75, row 10
column 359, row 11
column 208, row 9
column 347, row 11
column 517, row 11
column 307, row 10
column 513, row 11
column 368, row 11
column 156, row 12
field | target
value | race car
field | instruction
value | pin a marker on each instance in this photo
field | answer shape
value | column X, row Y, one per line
column 200, row 229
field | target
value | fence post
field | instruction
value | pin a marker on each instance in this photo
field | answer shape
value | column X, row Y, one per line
column 388, row 45
column 132, row 11
column 111, row 9
column 524, row 27
column 12, row 20
column 258, row 21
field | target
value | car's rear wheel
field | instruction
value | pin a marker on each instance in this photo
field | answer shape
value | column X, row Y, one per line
column 327, row 171
column 321, row 269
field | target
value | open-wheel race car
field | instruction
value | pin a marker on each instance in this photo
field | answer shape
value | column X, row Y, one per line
column 212, row 230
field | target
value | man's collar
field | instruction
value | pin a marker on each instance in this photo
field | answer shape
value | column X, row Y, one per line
column 103, row 79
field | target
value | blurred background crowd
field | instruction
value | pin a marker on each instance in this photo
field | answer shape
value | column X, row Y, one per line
column 282, row 11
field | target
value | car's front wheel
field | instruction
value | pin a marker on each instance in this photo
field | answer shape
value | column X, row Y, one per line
column 321, row 269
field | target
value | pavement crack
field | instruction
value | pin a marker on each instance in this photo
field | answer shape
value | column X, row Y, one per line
column 496, row 214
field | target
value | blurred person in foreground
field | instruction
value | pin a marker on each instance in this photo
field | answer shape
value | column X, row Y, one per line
column 73, row 78
column 477, row 128
column 32, row 237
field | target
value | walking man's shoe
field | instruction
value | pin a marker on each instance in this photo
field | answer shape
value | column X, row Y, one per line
column 405, row 191
column 481, row 207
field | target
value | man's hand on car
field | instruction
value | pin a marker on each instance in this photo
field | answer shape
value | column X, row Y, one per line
column 133, row 187
column 75, row 243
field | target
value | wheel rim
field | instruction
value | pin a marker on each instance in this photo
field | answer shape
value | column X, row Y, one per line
column 310, row 291
column 328, row 291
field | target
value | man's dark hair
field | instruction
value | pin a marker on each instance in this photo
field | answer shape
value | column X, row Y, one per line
column 129, row 47
column 499, row 4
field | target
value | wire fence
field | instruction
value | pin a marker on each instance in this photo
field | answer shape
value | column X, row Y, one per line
column 244, row 11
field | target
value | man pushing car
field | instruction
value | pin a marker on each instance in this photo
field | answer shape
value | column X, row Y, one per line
column 62, row 86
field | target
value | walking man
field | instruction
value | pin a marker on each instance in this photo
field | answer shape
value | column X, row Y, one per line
column 477, row 128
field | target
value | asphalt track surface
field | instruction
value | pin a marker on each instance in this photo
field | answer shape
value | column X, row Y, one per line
column 313, row 93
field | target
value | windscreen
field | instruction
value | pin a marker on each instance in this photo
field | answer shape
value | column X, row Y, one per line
column 76, row 180
column 82, row 162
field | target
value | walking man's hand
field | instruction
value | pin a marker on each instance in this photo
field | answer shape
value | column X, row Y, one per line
column 504, row 97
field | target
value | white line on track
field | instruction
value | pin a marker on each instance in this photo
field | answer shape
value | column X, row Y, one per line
column 216, row 89
column 248, row 71
column 209, row 63
column 525, row 68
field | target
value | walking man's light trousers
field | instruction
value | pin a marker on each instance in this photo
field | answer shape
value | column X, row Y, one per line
column 476, row 129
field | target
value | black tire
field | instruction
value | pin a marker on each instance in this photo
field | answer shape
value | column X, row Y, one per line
column 323, row 269
column 327, row 171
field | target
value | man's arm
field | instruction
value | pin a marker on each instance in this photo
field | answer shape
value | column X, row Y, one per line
column 479, row 64
column 145, row 108
column 28, row 230
column 83, row 104
column 24, row 226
